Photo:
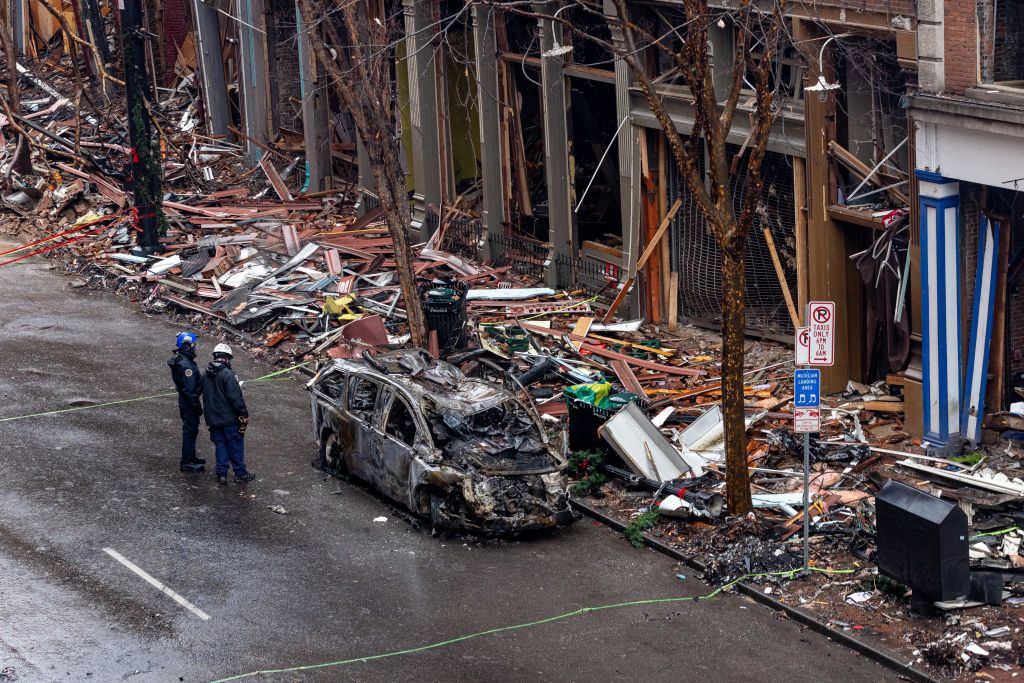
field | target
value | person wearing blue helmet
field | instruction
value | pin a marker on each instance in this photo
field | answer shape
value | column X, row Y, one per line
column 188, row 380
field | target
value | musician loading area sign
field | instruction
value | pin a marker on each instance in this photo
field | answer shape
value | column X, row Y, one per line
column 821, row 318
column 807, row 401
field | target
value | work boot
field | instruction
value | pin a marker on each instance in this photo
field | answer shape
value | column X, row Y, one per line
column 222, row 480
column 198, row 461
column 248, row 476
column 192, row 467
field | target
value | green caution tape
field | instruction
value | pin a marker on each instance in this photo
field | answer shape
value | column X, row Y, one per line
column 123, row 401
column 514, row 627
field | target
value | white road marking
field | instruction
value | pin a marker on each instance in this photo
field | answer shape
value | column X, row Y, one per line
column 157, row 584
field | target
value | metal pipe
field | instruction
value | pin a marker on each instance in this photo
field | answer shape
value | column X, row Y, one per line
column 853, row 195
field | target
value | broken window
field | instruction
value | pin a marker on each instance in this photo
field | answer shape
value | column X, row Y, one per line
column 362, row 398
column 400, row 424
column 1001, row 42
column 334, row 387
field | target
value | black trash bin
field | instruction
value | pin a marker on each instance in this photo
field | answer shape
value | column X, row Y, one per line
column 444, row 311
column 586, row 418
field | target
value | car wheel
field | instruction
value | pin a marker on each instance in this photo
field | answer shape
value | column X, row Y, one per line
column 330, row 457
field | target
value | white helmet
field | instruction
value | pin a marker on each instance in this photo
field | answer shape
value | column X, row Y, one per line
column 222, row 348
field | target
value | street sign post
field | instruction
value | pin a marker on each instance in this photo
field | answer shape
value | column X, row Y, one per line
column 807, row 419
column 802, row 345
column 821, row 318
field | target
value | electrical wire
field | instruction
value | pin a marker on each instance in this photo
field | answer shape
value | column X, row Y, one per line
column 123, row 401
column 529, row 624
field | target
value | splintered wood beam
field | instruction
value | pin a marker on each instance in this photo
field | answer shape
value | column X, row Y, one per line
column 626, row 286
column 781, row 274
column 649, row 249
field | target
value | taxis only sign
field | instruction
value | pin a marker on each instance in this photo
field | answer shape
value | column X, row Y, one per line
column 821, row 319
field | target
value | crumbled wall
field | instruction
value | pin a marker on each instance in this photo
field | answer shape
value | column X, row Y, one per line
column 175, row 22
column 283, row 63
column 970, row 224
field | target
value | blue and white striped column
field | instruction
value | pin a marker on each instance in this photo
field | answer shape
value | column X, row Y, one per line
column 939, row 218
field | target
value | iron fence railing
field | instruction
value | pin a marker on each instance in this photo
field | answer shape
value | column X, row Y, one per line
column 527, row 257
column 464, row 237
column 594, row 277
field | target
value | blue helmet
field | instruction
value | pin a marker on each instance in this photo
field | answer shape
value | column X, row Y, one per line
column 183, row 338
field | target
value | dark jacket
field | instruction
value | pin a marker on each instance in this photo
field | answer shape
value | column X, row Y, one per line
column 222, row 396
column 188, row 380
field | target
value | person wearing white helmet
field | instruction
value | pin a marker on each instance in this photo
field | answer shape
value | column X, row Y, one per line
column 226, row 415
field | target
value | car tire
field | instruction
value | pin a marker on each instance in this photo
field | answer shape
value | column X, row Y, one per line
column 329, row 456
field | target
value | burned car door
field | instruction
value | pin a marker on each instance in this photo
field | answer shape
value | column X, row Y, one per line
column 331, row 423
column 397, row 438
column 363, row 403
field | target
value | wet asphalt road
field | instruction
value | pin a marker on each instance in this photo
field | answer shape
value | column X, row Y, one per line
column 321, row 583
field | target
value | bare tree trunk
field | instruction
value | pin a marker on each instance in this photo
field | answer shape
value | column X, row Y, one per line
column 357, row 68
column 22, row 162
column 734, row 322
column 394, row 200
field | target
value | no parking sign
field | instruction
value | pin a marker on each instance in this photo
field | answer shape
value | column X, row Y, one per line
column 821, row 319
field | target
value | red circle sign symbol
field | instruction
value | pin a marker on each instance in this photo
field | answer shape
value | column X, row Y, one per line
column 805, row 338
column 821, row 315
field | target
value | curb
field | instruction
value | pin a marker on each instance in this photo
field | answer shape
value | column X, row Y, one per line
column 879, row 656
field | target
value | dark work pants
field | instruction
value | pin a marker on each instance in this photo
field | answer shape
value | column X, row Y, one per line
column 189, row 430
column 230, row 445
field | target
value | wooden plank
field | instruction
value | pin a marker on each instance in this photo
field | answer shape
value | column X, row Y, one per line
column 781, row 274
column 895, row 380
column 663, row 243
column 602, row 248
column 649, row 214
column 632, row 345
column 995, row 392
column 628, row 378
column 612, row 355
column 580, row 330
column 857, row 217
column 878, row 406
column 848, row 159
column 800, row 207
column 618, row 300
column 673, row 301
column 657, row 236
column 275, row 180
column 652, row 270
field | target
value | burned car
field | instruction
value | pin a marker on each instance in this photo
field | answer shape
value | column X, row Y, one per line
column 467, row 453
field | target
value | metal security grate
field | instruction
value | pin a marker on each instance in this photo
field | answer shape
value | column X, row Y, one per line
column 527, row 257
column 593, row 277
column 700, row 259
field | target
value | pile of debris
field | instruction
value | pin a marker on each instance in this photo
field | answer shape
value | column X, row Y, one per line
column 306, row 276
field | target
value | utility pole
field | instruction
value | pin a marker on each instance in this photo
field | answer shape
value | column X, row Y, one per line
column 146, row 168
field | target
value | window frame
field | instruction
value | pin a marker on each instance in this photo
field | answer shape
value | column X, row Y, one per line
column 350, row 383
column 386, row 416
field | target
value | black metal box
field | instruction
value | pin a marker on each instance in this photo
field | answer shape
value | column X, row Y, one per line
column 922, row 542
